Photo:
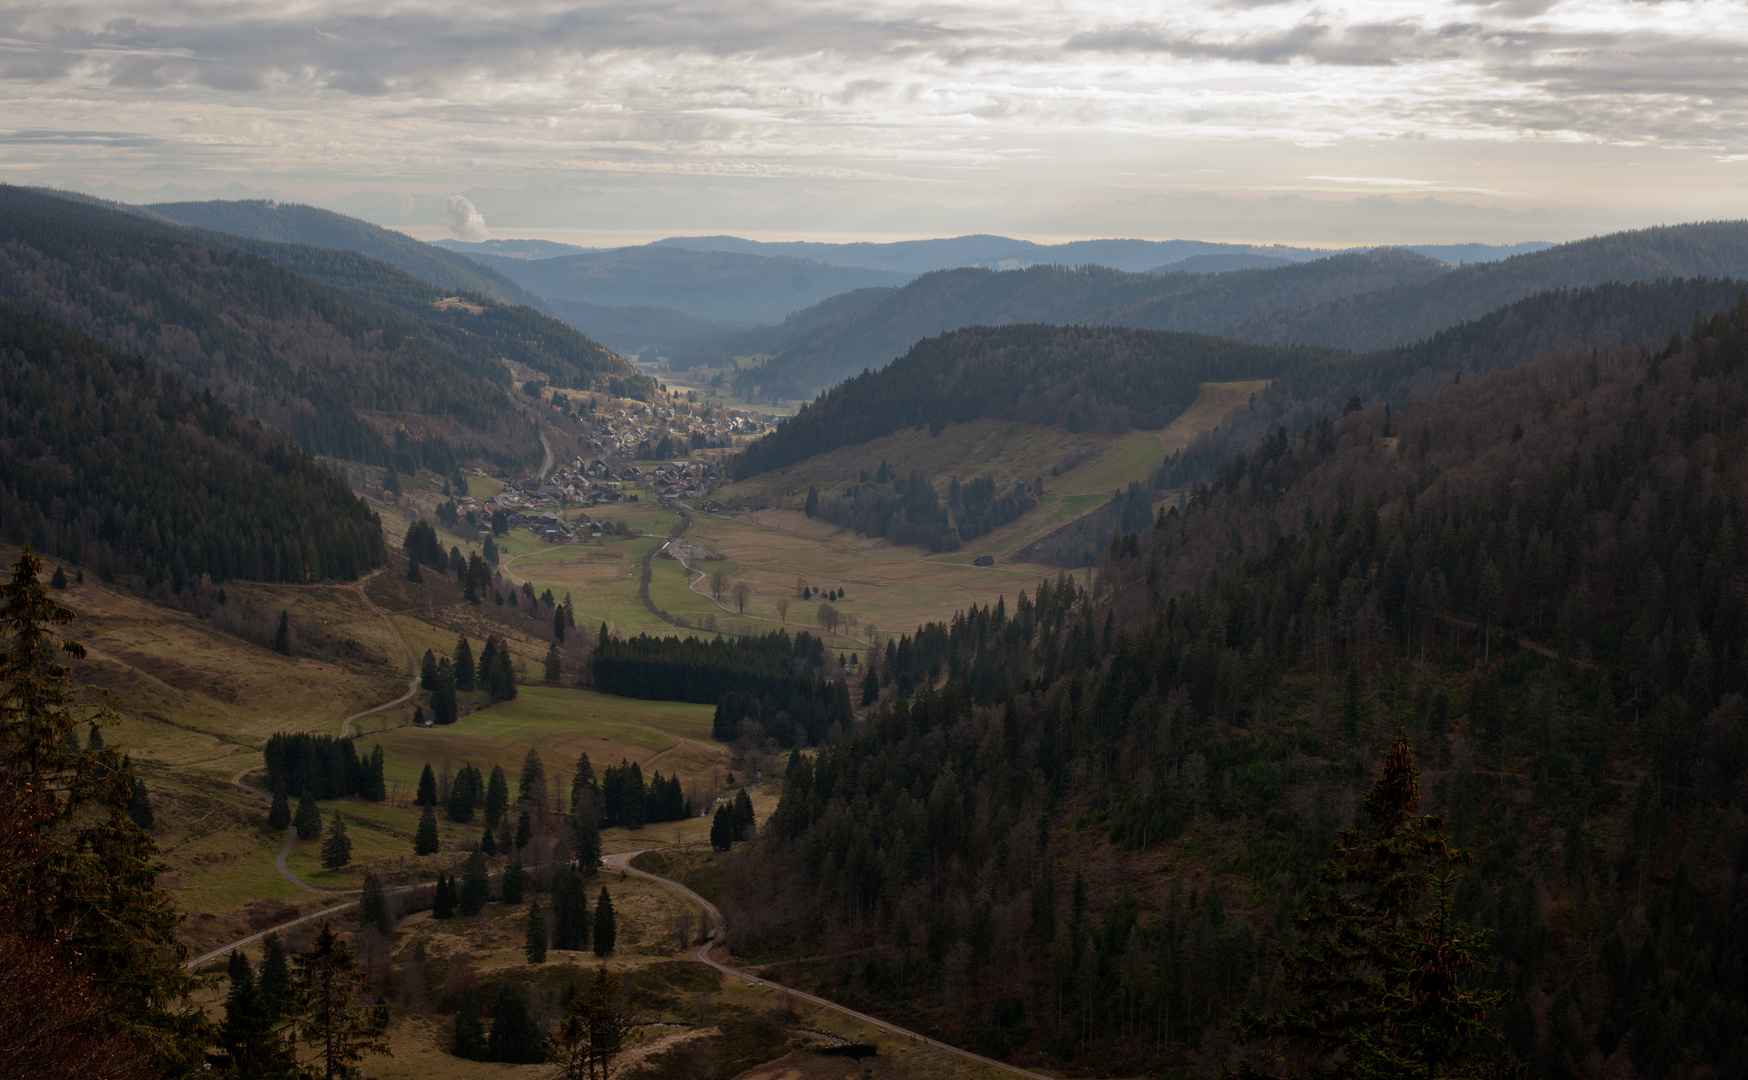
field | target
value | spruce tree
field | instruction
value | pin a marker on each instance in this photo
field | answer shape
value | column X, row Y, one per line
column 583, row 779
column 722, row 828
column 1383, row 984
column 426, row 840
column 553, row 665
column 571, row 928
column 500, row 680
column 516, row 1039
column 275, row 974
column 514, row 880
column 524, row 829
column 428, row 672
column 465, row 671
column 427, row 794
column 743, row 814
column 443, row 901
column 606, row 925
column 470, row 1030
column 475, row 886
column 336, row 1019
column 139, row 803
column 248, row 1042
column 373, row 906
column 308, row 821
column 282, row 636
column 497, row 796
column 488, row 841
column 586, row 833
column 336, row 846
column 534, row 942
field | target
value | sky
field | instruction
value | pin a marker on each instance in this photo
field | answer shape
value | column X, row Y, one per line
column 1249, row 120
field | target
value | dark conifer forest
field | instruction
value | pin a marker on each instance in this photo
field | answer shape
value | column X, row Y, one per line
column 108, row 462
column 1075, row 830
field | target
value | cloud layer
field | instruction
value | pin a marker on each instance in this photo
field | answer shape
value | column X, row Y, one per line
column 955, row 103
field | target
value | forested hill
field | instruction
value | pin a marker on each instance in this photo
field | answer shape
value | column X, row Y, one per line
column 109, row 462
column 871, row 334
column 1076, row 376
column 291, row 223
column 348, row 358
column 1558, row 320
column 1412, row 312
column 1077, row 827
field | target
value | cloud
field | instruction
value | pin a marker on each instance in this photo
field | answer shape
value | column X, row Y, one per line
column 464, row 221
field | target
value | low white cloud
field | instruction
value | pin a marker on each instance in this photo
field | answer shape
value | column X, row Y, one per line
column 465, row 221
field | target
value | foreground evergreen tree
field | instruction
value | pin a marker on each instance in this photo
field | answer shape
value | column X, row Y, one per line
column 1385, row 983
column 534, row 941
column 275, row 974
column 426, row 840
column 373, row 906
column 336, row 846
column 86, row 937
column 249, row 1042
column 338, row 1024
column 722, row 828
column 516, row 1039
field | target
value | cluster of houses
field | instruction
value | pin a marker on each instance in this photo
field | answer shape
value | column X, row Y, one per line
column 707, row 427
column 685, row 479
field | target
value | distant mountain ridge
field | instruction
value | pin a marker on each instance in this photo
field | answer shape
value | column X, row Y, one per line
column 293, row 223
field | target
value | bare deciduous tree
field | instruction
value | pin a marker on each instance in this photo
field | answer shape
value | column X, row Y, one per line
column 718, row 582
column 742, row 591
column 783, row 608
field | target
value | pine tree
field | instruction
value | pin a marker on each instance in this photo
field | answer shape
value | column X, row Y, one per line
column 275, row 975
column 514, row 880
column 466, row 674
column 502, row 683
column 557, row 627
column 475, row 886
column 586, row 833
column 139, row 801
column 606, row 925
column 554, row 663
column 534, row 943
column 524, row 829
column 531, row 785
column 426, row 840
column 282, row 636
column 1383, row 984
column 428, row 672
column 497, row 796
column 373, row 906
column 308, row 821
column 470, row 1030
column 336, row 846
column 515, row 1038
column 336, row 1019
column 427, row 795
column 488, row 842
column 443, row 901
column 583, row 779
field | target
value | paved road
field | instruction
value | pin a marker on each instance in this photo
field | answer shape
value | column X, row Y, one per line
column 622, row 861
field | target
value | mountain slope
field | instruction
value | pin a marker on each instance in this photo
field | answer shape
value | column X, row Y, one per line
column 109, row 462
column 1075, row 376
column 270, row 343
column 949, row 299
column 291, row 223
column 709, row 285
column 1411, row 312
column 1084, row 848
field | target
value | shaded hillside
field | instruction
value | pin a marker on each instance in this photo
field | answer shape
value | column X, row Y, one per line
column 270, row 343
column 470, row 329
column 1411, row 312
column 291, row 223
column 1079, row 377
column 109, row 462
column 706, row 285
column 950, row 299
column 1559, row 320
column 1077, row 830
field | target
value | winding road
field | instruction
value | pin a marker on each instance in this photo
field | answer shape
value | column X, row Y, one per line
column 622, row 862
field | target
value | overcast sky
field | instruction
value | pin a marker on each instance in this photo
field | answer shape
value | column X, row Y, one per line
column 1247, row 120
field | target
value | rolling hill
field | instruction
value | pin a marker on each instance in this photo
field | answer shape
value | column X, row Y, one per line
column 1413, row 311
column 870, row 335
